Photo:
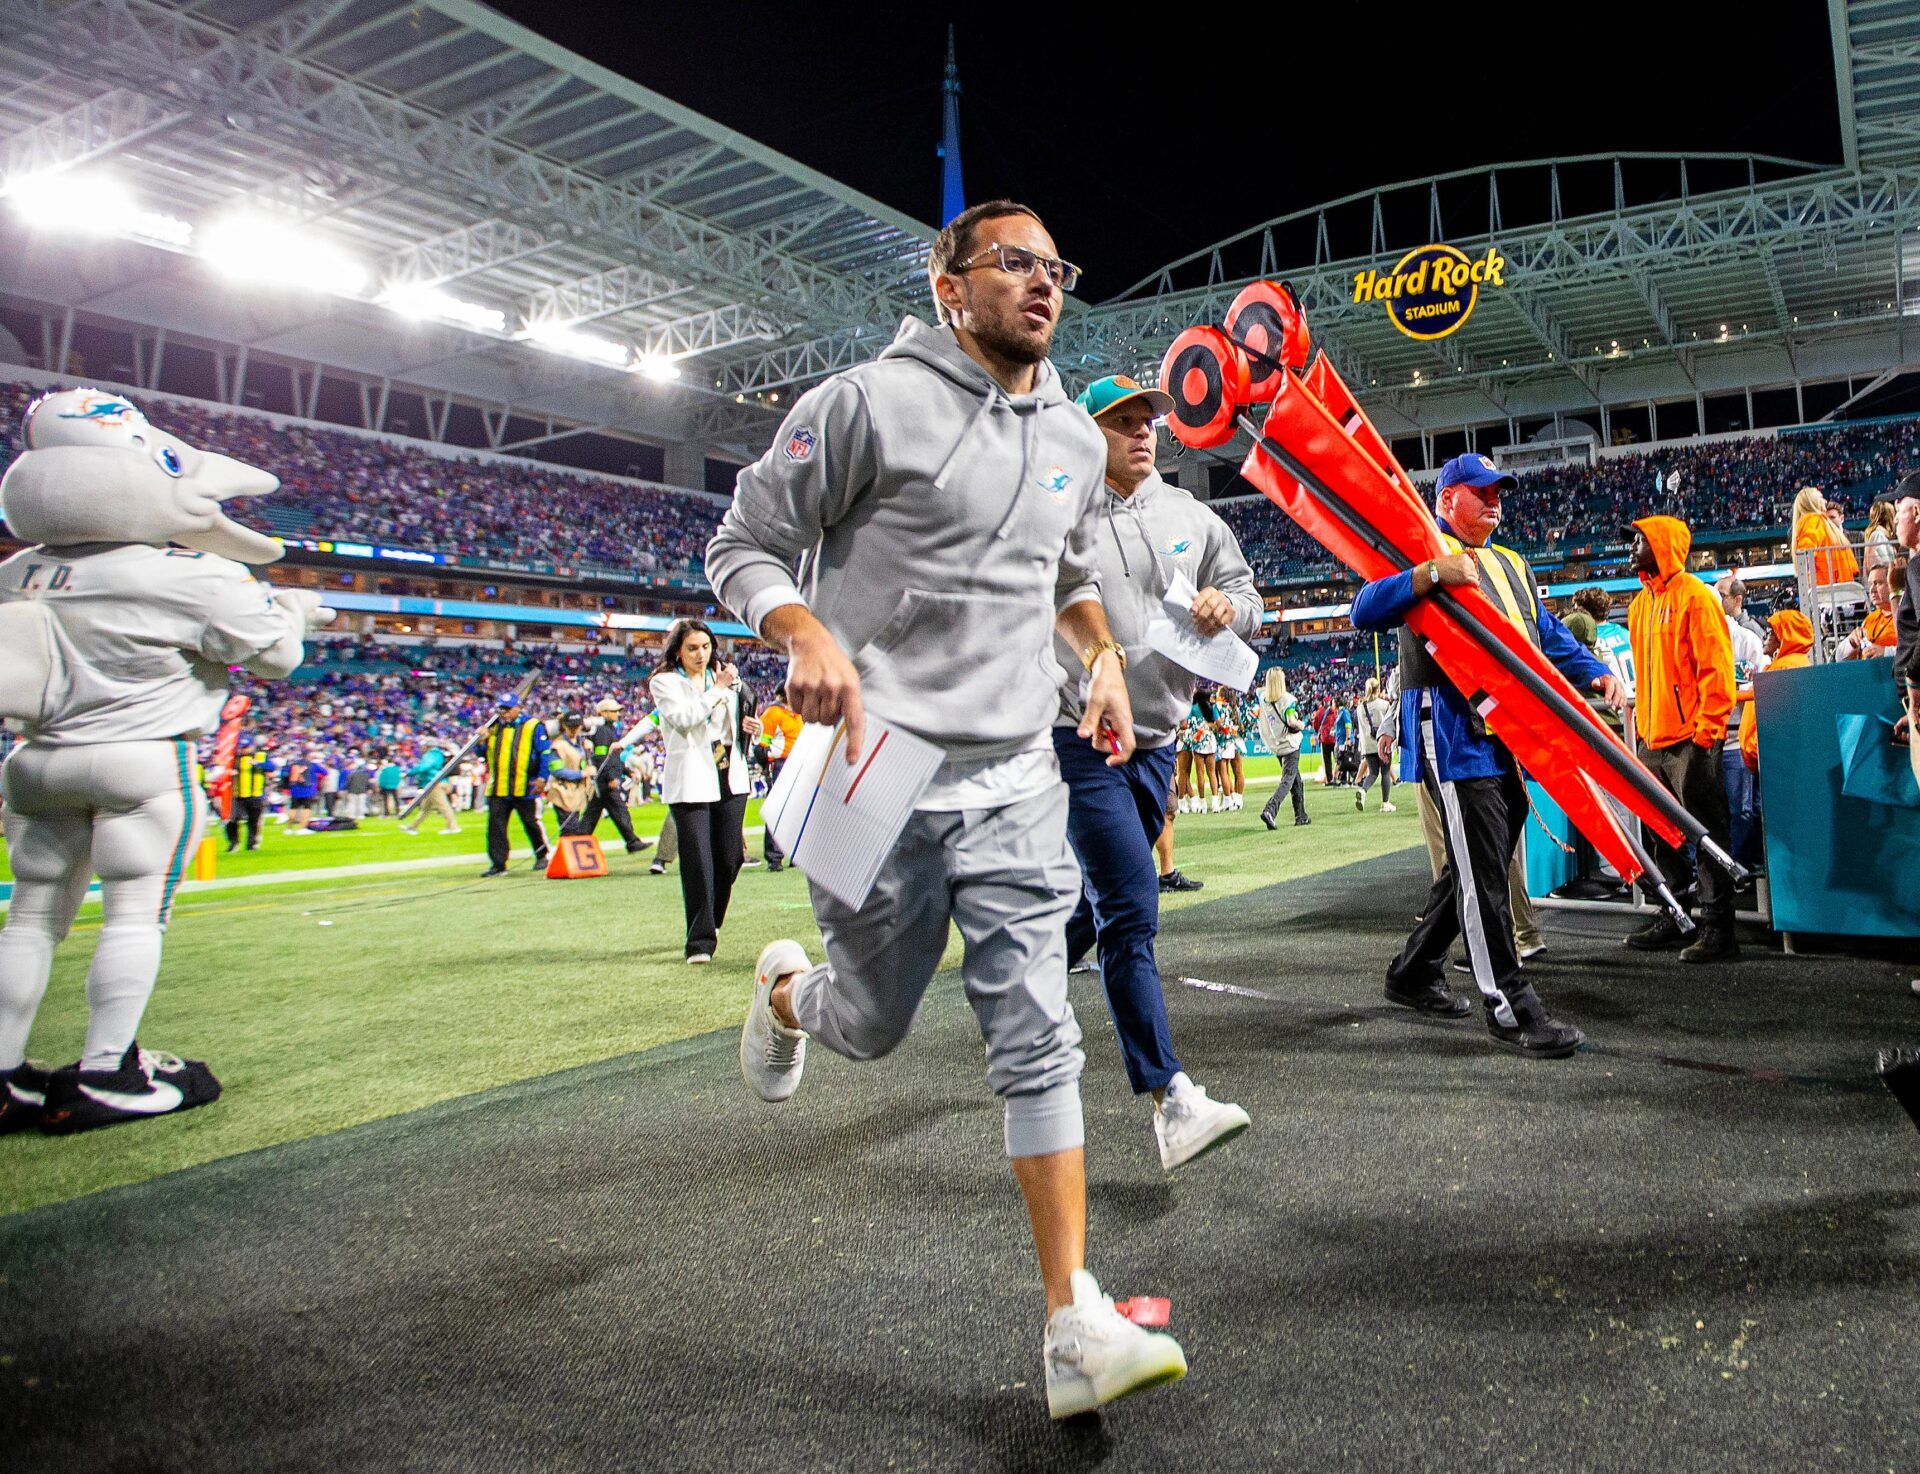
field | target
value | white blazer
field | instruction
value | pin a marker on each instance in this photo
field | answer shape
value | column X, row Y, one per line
column 694, row 718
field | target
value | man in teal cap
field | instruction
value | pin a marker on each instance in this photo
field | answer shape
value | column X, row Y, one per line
column 1149, row 534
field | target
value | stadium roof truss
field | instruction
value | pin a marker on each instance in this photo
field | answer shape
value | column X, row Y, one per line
column 453, row 149
column 446, row 145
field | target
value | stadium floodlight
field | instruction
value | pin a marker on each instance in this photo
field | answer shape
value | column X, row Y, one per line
column 93, row 204
column 559, row 338
column 658, row 367
column 420, row 304
column 259, row 248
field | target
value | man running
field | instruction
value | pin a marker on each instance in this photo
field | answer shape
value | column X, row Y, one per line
column 941, row 504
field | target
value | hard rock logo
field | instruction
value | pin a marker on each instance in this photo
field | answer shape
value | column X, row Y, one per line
column 1432, row 290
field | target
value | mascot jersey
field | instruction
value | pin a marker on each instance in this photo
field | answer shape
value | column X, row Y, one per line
column 142, row 636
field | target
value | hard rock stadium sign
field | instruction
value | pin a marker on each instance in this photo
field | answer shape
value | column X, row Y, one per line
column 1432, row 290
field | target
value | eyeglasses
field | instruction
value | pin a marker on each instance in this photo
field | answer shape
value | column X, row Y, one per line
column 1019, row 261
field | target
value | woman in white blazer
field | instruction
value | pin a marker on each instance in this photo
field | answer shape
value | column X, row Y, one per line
column 707, row 783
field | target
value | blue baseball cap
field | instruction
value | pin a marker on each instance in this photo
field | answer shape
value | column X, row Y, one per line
column 506, row 701
column 1473, row 470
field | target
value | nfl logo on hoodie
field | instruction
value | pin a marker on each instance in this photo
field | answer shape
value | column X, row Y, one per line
column 800, row 444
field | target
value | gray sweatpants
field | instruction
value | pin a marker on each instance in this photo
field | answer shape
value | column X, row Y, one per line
column 1009, row 879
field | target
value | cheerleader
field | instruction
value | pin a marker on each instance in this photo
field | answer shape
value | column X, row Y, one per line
column 1206, row 747
column 1230, row 777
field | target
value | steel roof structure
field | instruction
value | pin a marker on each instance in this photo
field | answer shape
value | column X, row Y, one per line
column 449, row 147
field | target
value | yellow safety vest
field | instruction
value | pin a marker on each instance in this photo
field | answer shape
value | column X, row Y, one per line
column 509, row 756
column 1504, row 577
column 248, row 780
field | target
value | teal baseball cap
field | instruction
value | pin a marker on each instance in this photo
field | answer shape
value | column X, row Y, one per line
column 1116, row 389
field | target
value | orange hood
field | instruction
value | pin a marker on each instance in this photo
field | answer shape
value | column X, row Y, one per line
column 1793, row 631
column 1671, row 541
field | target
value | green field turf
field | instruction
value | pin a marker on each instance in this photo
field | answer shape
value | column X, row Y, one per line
column 324, row 1004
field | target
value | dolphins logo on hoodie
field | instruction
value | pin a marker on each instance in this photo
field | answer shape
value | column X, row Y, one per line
column 1178, row 548
column 1056, row 482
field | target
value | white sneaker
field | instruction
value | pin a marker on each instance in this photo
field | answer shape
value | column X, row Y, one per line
column 1360, row 799
column 1213, row 804
column 1527, row 954
column 1386, row 808
column 1188, row 1124
column 699, row 958
column 772, row 1055
column 1094, row 1354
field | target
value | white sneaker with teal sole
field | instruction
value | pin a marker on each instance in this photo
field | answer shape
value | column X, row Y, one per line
column 1188, row 1124
column 772, row 1055
column 1094, row 1354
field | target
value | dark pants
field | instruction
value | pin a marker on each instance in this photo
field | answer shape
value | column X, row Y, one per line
column 1384, row 768
column 711, row 849
column 1481, row 819
column 770, row 850
column 607, row 799
column 250, row 810
column 1743, row 806
column 529, row 811
column 1290, row 783
column 1113, row 817
column 1693, row 775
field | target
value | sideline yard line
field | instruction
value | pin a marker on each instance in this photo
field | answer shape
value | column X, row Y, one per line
column 329, row 872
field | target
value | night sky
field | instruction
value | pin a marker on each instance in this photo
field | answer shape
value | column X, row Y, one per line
column 1141, row 143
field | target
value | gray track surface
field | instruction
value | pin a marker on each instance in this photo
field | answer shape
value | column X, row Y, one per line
column 1426, row 1254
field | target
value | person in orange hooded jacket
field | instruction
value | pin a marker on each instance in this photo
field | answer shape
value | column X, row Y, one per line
column 1683, row 697
column 1789, row 638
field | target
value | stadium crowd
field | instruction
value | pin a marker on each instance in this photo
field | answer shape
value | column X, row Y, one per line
column 340, row 486
column 1723, row 486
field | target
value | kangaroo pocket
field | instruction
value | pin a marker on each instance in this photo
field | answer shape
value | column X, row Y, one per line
column 964, row 670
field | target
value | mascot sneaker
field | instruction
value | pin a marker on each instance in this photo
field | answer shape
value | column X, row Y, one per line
column 1189, row 1125
column 1094, row 1354
column 23, row 1091
column 772, row 1055
column 148, row 1083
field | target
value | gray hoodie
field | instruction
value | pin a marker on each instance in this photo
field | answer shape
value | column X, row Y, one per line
column 1144, row 542
column 937, row 524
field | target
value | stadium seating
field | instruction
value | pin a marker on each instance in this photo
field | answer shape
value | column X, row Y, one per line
column 341, row 486
column 1742, row 485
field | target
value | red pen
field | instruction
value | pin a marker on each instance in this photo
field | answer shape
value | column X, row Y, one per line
column 1113, row 742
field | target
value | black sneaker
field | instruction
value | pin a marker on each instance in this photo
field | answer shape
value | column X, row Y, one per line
column 1302, row 819
column 638, row 845
column 492, row 871
column 23, row 1091
column 774, row 867
column 1534, row 1032
column 1435, row 1000
column 1173, row 880
column 1714, row 943
column 657, row 868
column 540, row 858
column 147, row 1083
column 1662, row 934
column 1268, row 820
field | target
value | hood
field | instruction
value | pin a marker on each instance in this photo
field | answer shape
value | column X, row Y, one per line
column 1794, row 631
column 94, row 469
column 937, row 348
column 1671, row 541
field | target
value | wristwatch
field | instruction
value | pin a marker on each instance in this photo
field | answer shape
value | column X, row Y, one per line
column 1094, row 651
column 1433, row 573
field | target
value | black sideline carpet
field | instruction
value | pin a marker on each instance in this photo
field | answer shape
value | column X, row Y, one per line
column 1427, row 1254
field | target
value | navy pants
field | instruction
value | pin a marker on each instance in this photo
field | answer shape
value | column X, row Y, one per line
column 1113, row 817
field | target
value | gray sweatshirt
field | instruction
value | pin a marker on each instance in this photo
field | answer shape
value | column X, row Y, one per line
column 1144, row 542
column 937, row 525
